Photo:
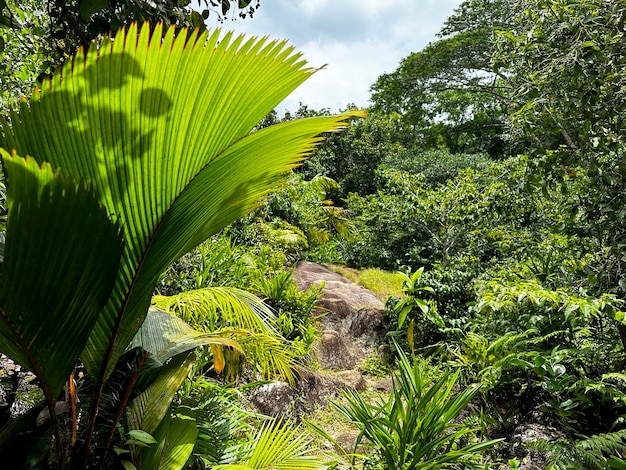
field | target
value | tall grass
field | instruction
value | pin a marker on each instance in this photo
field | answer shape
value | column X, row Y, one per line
column 384, row 284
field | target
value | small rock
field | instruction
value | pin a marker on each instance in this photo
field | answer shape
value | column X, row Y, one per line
column 317, row 389
column 273, row 399
column 385, row 384
column 385, row 354
column 60, row 408
column 346, row 441
column 352, row 379
column 524, row 434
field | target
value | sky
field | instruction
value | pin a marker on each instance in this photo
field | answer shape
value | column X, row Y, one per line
column 358, row 40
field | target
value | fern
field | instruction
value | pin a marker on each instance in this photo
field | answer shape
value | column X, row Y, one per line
column 591, row 453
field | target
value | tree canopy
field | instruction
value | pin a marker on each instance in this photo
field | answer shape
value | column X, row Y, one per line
column 447, row 94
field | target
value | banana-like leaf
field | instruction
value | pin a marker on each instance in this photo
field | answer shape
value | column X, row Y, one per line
column 176, row 437
column 161, row 127
column 61, row 256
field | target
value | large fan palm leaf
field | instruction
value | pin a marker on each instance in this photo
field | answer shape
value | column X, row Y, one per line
column 160, row 126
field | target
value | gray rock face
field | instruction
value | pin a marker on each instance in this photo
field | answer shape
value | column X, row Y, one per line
column 317, row 388
column 352, row 379
column 385, row 384
column 313, row 389
column 352, row 325
column 351, row 314
column 332, row 352
column 524, row 434
column 346, row 442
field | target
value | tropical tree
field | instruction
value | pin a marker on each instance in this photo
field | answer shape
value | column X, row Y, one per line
column 135, row 152
column 20, row 64
column 447, row 95
column 350, row 158
column 565, row 62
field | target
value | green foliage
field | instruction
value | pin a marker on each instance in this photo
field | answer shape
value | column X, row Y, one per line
column 351, row 157
column 452, row 289
column 234, row 313
column 565, row 344
column 376, row 365
column 412, row 301
column 487, row 361
column 39, row 35
column 293, row 308
column 529, row 305
column 565, row 62
column 220, row 266
column 302, row 216
column 20, row 60
column 382, row 283
column 478, row 217
column 277, row 445
column 219, row 419
column 229, row 436
column 218, row 261
column 415, row 426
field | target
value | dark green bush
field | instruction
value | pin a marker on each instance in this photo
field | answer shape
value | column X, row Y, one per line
column 437, row 166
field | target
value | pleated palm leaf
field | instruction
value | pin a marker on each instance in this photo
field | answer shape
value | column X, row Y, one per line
column 144, row 149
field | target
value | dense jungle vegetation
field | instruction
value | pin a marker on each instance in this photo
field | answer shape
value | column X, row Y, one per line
column 146, row 268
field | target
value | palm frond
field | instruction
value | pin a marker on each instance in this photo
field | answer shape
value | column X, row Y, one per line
column 231, row 313
column 60, row 260
column 277, row 446
column 211, row 308
column 270, row 356
column 324, row 184
column 160, row 126
column 219, row 418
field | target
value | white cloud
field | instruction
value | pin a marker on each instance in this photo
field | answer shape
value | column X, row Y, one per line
column 347, row 76
column 358, row 39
